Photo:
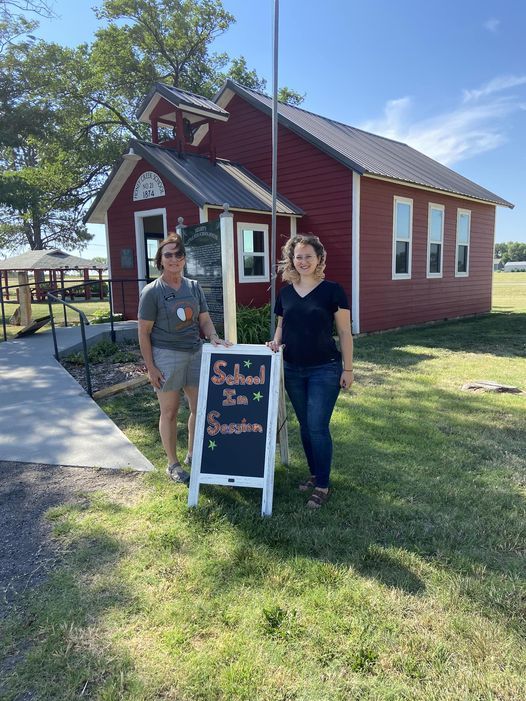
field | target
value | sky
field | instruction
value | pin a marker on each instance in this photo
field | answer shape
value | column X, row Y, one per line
column 448, row 77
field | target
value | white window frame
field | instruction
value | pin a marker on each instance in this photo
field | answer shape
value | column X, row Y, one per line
column 408, row 201
column 440, row 208
column 242, row 226
column 461, row 212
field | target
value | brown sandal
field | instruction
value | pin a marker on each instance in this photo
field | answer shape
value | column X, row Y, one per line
column 307, row 484
column 318, row 498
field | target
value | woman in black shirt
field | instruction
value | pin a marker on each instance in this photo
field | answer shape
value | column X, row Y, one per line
column 307, row 309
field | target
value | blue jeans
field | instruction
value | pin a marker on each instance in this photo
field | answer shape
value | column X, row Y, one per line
column 313, row 392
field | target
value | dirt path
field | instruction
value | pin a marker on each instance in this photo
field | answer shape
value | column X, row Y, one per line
column 27, row 550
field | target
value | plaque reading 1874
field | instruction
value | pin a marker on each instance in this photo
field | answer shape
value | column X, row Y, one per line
column 203, row 263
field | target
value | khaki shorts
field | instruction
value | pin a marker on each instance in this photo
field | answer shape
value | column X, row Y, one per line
column 179, row 368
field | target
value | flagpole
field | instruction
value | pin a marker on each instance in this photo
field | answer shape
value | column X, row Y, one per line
column 273, row 237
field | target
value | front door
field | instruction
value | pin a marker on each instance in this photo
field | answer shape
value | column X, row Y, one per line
column 153, row 235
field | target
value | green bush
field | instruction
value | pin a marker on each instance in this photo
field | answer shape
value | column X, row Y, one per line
column 253, row 324
column 102, row 316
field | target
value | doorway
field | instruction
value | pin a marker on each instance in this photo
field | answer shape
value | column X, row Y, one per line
column 150, row 229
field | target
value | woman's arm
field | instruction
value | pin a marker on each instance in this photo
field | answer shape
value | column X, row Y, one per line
column 145, row 344
column 275, row 344
column 206, row 325
column 343, row 326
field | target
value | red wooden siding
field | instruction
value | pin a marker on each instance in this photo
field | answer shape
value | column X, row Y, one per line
column 254, row 294
column 121, row 224
column 387, row 303
column 309, row 178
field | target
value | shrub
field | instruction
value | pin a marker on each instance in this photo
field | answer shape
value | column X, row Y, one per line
column 102, row 316
column 253, row 324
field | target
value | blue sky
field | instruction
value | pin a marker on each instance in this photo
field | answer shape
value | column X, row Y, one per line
column 448, row 77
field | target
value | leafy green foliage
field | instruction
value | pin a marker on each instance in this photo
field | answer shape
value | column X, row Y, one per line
column 511, row 251
column 253, row 324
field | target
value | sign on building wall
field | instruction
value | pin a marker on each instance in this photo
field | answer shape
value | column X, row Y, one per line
column 148, row 185
column 237, row 415
column 203, row 263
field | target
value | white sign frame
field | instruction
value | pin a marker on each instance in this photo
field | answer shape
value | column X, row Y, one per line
column 266, row 483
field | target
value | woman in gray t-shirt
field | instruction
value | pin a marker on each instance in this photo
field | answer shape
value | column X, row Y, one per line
column 173, row 315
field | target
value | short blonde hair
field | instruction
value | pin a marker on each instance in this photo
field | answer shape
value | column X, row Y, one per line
column 286, row 264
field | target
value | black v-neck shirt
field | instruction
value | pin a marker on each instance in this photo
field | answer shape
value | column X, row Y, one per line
column 308, row 323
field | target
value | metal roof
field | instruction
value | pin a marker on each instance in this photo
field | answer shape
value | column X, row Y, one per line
column 181, row 98
column 50, row 259
column 363, row 152
column 202, row 181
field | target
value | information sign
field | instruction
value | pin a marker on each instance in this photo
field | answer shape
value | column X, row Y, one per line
column 203, row 263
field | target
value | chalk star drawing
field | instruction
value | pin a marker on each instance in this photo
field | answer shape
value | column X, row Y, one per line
column 247, row 363
column 212, row 445
column 257, row 396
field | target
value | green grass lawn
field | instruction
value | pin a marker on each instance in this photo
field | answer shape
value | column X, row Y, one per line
column 40, row 309
column 408, row 585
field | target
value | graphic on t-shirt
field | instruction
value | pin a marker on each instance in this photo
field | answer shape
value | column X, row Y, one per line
column 186, row 315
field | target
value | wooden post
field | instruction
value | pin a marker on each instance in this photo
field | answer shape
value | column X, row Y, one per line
column 24, row 296
column 228, row 270
column 6, row 278
column 87, row 288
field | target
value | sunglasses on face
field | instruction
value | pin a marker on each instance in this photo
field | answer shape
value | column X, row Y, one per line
column 178, row 254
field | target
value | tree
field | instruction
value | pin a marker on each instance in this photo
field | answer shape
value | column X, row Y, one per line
column 511, row 251
column 72, row 111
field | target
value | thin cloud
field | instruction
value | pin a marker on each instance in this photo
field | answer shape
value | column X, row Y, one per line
column 451, row 136
column 492, row 24
column 498, row 84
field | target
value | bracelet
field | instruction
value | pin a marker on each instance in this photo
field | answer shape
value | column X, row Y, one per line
column 345, row 370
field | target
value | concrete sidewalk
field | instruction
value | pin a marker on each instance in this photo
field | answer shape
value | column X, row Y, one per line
column 45, row 415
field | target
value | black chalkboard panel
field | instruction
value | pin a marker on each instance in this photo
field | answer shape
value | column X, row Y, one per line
column 235, row 426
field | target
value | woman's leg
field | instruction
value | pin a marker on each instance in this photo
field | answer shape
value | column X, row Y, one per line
column 169, row 404
column 191, row 394
column 322, row 392
column 296, row 386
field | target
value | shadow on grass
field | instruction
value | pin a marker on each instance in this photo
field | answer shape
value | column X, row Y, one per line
column 500, row 334
column 420, row 483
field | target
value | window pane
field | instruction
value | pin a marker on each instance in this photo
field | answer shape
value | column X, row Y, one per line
column 436, row 228
column 462, row 264
column 463, row 228
column 248, row 241
column 402, row 250
column 434, row 258
column 403, row 220
column 253, row 265
column 259, row 241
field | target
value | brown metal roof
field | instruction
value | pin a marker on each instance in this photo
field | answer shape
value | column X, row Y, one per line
column 365, row 153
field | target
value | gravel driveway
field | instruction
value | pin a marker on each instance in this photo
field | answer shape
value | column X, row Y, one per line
column 27, row 491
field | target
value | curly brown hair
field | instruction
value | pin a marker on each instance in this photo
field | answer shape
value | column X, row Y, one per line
column 286, row 264
column 171, row 238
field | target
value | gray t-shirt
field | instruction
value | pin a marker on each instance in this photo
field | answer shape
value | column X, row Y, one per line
column 175, row 313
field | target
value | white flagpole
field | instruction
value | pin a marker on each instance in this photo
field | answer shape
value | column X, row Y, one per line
column 273, row 237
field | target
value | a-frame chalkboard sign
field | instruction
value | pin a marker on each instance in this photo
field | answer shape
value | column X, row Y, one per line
column 236, row 423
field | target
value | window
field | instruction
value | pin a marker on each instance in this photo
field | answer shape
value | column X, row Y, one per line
column 463, row 236
column 402, row 235
column 252, row 248
column 435, row 240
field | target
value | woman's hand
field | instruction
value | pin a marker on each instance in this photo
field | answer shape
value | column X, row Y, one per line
column 156, row 377
column 346, row 379
column 216, row 341
column 274, row 346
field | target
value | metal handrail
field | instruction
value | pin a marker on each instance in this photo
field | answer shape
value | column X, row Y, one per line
column 83, row 323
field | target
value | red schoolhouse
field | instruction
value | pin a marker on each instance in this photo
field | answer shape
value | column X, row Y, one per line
column 410, row 240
